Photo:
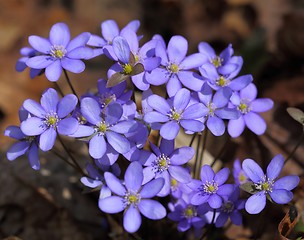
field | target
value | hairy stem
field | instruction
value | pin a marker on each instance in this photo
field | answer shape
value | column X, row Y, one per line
column 70, row 84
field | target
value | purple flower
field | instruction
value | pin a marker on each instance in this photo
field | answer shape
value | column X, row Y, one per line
column 224, row 63
column 174, row 113
column 96, row 180
column 107, row 95
column 215, row 109
column 25, row 145
column 50, row 117
column 27, row 53
column 175, row 67
column 144, row 55
column 109, row 30
column 127, row 66
column 239, row 175
column 249, row 106
column 188, row 215
column 166, row 163
column 106, row 127
column 216, row 80
column 230, row 209
column 266, row 185
column 133, row 198
column 59, row 52
column 178, row 188
column 211, row 188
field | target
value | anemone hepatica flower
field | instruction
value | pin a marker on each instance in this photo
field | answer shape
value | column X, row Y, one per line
column 50, row 117
column 216, row 81
column 107, row 95
column 266, row 185
column 188, row 215
column 144, row 55
column 211, row 187
column 230, row 209
column 216, row 109
column 109, row 30
column 25, row 144
column 224, row 64
column 175, row 67
column 178, row 188
column 106, row 127
column 166, row 162
column 96, row 180
column 175, row 113
column 239, row 175
column 133, row 197
column 126, row 66
column 249, row 107
column 59, row 52
column 27, row 53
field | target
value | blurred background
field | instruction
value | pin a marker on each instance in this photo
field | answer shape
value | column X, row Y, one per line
column 268, row 34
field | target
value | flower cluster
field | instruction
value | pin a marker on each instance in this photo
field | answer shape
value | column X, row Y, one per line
column 203, row 92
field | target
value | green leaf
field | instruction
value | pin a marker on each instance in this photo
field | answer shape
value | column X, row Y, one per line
column 249, row 187
column 296, row 114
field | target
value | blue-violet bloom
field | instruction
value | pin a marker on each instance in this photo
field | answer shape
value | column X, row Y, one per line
column 106, row 127
column 166, row 162
column 266, row 185
column 175, row 67
column 174, row 113
column 49, row 117
column 249, row 107
column 215, row 108
column 211, row 187
column 25, row 144
column 59, row 52
column 133, row 197
column 27, row 53
column 230, row 209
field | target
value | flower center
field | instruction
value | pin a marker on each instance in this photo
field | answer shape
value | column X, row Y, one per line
column 51, row 120
column 58, row 51
column 242, row 178
column 212, row 108
column 132, row 198
column 189, row 212
column 102, row 127
column 173, row 68
column 222, row 81
column 174, row 115
column 265, row 185
column 210, row 187
column 30, row 138
column 127, row 69
column 107, row 98
column 244, row 106
column 174, row 183
column 228, row 207
column 217, row 61
column 136, row 58
column 162, row 163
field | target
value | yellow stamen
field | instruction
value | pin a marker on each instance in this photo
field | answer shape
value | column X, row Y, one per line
column 127, row 69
